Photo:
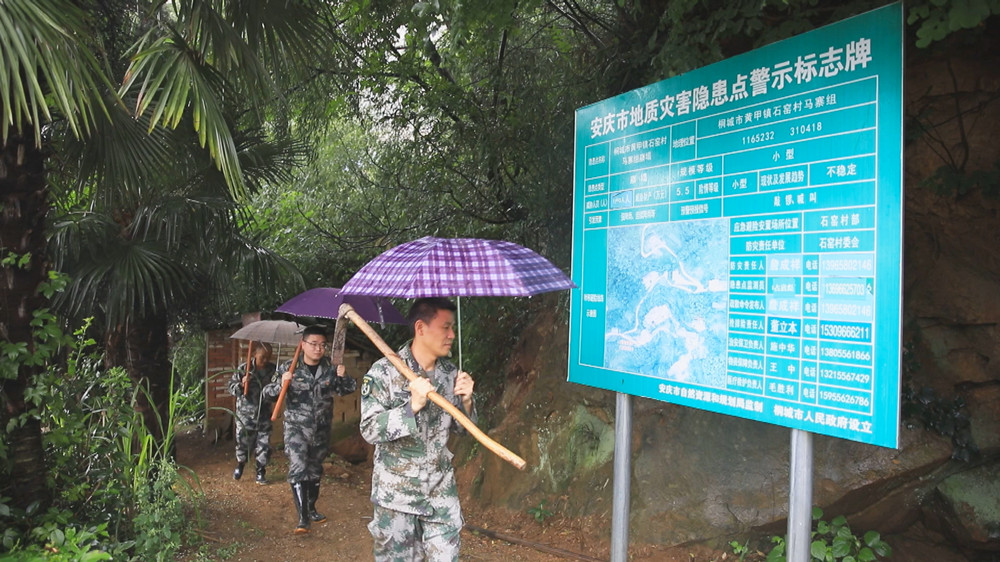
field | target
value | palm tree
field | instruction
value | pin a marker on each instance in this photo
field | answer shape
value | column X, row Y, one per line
column 47, row 73
column 168, row 251
column 210, row 68
column 175, row 234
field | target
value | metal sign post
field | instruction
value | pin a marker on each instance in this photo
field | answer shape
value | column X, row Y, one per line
column 623, row 476
column 800, row 497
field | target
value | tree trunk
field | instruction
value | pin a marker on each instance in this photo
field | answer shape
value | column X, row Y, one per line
column 141, row 347
column 24, row 193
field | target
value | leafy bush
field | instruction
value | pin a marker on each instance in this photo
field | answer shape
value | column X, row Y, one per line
column 115, row 490
column 834, row 540
column 187, row 355
column 55, row 539
column 159, row 520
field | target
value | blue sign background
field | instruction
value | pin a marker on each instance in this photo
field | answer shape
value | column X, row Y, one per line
column 737, row 238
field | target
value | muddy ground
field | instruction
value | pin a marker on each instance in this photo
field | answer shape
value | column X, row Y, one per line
column 243, row 521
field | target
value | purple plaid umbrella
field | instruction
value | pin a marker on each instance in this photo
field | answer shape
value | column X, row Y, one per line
column 457, row 267
column 324, row 302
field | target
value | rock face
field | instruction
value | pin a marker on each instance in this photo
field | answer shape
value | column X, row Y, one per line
column 698, row 475
column 967, row 507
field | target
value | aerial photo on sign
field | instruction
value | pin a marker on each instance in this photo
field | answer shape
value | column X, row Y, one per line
column 738, row 235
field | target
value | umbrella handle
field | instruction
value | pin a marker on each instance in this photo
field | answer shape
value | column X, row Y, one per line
column 246, row 376
column 284, row 386
column 339, row 342
column 347, row 311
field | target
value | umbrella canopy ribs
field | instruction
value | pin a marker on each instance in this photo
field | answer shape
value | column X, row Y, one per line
column 457, row 267
column 347, row 313
column 270, row 331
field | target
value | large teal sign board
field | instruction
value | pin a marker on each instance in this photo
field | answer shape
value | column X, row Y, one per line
column 737, row 235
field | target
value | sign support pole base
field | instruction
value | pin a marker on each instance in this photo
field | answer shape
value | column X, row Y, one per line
column 800, row 497
column 622, row 488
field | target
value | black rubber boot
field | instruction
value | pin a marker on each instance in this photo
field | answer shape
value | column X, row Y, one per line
column 300, row 496
column 239, row 470
column 261, row 475
column 315, row 516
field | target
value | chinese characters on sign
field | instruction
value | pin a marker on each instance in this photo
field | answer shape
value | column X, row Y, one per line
column 737, row 235
column 828, row 64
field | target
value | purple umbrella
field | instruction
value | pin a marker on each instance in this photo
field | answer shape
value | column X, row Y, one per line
column 458, row 267
column 324, row 302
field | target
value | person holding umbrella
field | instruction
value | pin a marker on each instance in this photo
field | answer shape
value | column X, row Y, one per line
column 311, row 385
column 253, row 410
column 417, row 515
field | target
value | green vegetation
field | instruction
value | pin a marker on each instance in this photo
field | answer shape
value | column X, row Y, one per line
column 937, row 19
column 116, row 493
column 740, row 549
column 539, row 513
column 834, row 540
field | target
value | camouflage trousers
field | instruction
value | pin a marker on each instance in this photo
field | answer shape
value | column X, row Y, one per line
column 306, row 451
column 404, row 537
column 250, row 438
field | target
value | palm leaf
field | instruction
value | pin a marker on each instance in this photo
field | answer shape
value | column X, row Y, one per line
column 47, row 65
column 219, row 51
column 122, row 156
column 121, row 277
column 173, row 80
column 185, row 239
column 288, row 36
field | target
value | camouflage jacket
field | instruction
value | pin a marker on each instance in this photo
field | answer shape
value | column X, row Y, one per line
column 309, row 400
column 413, row 471
column 256, row 403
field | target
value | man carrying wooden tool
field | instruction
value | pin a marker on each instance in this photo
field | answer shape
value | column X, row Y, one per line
column 417, row 515
column 253, row 410
column 310, row 387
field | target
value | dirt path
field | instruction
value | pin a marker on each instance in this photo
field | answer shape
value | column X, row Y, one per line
column 248, row 522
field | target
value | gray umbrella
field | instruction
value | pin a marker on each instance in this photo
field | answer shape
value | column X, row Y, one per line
column 271, row 331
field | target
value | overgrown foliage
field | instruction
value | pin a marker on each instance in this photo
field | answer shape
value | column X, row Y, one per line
column 187, row 356
column 830, row 541
column 834, row 540
column 116, row 491
column 144, row 124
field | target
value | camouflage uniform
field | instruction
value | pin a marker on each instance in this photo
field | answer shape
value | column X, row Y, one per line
column 308, row 416
column 417, row 514
column 253, row 413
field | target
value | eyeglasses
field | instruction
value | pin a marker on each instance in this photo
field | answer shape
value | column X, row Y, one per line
column 316, row 344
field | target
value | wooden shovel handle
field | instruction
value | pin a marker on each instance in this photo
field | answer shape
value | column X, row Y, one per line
column 284, row 385
column 347, row 311
column 246, row 376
